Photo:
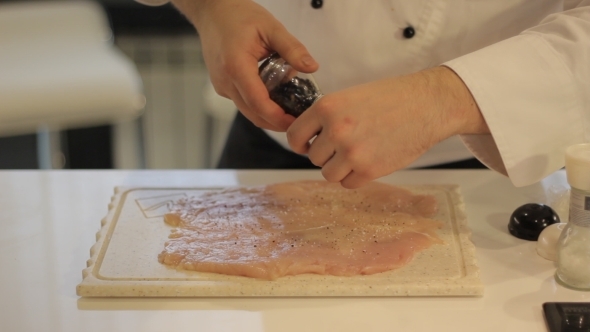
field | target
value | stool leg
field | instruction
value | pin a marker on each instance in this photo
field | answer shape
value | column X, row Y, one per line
column 49, row 154
column 127, row 145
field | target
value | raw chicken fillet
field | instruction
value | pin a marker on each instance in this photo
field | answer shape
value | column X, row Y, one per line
column 300, row 227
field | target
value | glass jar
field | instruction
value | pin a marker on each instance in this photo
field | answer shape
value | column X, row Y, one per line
column 573, row 247
column 293, row 91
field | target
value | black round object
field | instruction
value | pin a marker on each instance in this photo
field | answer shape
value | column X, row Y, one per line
column 409, row 32
column 317, row 4
column 529, row 220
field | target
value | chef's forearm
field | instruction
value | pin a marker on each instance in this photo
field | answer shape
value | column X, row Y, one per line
column 456, row 101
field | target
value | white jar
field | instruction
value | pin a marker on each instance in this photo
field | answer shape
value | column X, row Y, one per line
column 573, row 248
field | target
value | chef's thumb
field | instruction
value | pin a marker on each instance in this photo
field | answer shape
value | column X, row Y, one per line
column 293, row 51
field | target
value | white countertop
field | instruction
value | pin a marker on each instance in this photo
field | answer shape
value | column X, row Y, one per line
column 48, row 221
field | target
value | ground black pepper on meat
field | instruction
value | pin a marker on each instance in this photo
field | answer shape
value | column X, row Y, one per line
column 295, row 95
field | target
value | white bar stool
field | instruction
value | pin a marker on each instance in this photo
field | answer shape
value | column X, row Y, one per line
column 59, row 69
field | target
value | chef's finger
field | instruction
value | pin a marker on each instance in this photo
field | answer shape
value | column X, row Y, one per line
column 336, row 168
column 302, row 131
column 255, row 96
column 292, row 50
column 258, row 121
column 355, row 180
column 320, row 150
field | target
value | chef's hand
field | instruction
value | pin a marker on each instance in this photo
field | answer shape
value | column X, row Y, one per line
column 235, row 35
column 374, row 129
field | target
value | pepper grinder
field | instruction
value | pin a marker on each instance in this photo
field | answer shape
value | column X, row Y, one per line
column 293, row 91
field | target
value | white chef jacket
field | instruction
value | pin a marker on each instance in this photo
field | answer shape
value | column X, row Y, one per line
column 526, row 63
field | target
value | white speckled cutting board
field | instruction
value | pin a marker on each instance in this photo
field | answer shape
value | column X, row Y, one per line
column 124, row 260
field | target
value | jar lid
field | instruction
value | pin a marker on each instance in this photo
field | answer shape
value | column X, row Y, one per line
column 577, row 166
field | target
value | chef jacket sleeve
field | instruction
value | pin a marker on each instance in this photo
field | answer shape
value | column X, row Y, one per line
column 534, row 93
column 153, row 2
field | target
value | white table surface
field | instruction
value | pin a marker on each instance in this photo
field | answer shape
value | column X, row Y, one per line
column 48, row 220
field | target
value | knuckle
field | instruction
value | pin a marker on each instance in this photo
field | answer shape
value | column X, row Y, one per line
column 221, row 91
column 222, row 62
column 295, row 143
column 315, row 160
column 291, row 138
column 367, row 172
column 348, row 184
column 337, row 129
column 228, row 67
column 361, row 165
column 297, row 147
column 325, row 107
column 231, row 70
column 338, row 133
column 353, row 154
column 329, row 176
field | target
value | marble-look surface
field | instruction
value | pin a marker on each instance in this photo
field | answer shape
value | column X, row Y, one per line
column 49, row 220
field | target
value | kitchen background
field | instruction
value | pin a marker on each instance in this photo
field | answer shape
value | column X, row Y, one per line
column 183, row 124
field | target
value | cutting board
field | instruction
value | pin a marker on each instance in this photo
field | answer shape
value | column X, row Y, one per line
column 124, row 259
